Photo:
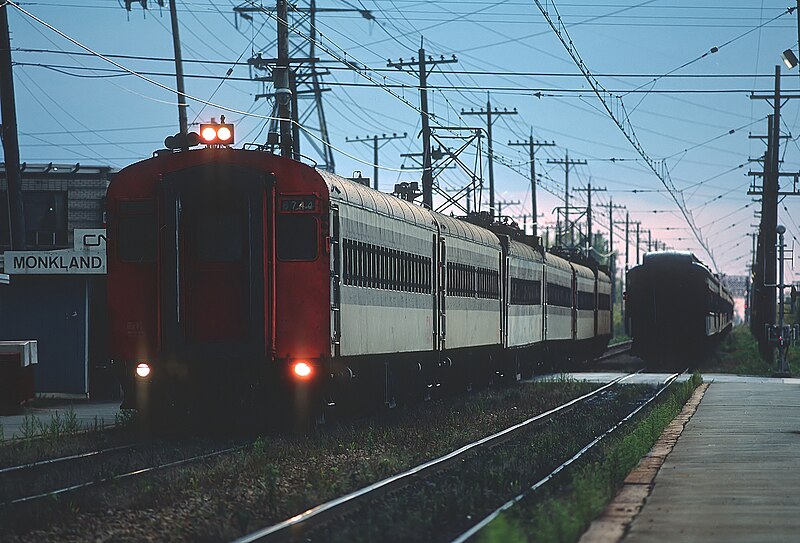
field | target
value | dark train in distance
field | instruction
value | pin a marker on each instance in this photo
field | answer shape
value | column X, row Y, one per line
column 239, row 274
column 676, row 310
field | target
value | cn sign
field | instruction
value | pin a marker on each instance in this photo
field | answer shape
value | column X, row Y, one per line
column 88, row 256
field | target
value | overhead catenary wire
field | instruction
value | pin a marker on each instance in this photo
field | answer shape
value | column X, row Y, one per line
column 660, row 170
column 185, row 95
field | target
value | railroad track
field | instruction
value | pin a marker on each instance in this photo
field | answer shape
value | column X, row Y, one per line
column 480, row 525
column 297, row 527
column 70, row 462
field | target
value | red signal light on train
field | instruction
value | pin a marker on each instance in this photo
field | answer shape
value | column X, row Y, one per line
column 216, row 133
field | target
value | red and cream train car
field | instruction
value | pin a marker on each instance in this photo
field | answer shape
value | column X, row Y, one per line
column 238, row 274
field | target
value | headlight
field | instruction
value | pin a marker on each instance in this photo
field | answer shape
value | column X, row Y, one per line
column 142, row 370
column 302, row 370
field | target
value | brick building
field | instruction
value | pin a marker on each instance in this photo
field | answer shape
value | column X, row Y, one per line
column 58, row 199
column 63, row 308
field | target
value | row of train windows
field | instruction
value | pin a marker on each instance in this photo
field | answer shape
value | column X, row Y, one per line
column 373, row 266
column 528, row 292
column 472, row 282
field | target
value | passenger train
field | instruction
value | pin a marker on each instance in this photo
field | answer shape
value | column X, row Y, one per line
column 676, row 310
column 237, row 274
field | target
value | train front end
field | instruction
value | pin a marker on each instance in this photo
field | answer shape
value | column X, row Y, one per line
column 218, row 280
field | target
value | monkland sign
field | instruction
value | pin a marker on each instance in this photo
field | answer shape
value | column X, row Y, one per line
column 87, row 257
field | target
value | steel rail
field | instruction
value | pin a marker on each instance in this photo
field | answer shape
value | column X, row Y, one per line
column 513, row 501
column 318, row 512
column 134, row 473
column 66, row 458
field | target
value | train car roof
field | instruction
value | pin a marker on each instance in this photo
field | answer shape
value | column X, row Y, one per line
column 672, row 257
column 582, row 270
column 557, row 261
column 462, row 229
column 362, row 196
column 373, row 200
column 675, row 258
column 522, row 250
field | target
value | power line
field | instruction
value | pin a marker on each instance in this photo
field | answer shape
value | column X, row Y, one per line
column 661, row 170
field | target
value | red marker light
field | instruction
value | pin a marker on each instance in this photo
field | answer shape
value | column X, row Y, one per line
column 224, row 133
column 217, row 133
column 209, row 134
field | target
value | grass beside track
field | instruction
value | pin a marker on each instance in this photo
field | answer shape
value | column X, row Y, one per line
column 561, row 514
column 738, row 354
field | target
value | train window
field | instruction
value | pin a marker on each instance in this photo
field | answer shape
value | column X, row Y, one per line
column 370, row 266
column 296, row 237
column 526, row 291
column 558, row 295
column 603, row 302
column 460, row 280
column 219, row 237
column 360, row 264
column 136, row 237
column 585, row 300
column 347, row 274
column 488, row 284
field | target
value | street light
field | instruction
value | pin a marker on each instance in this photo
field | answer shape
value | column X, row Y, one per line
column 789, row 58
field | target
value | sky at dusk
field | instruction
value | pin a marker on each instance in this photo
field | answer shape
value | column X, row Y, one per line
column 683, row 70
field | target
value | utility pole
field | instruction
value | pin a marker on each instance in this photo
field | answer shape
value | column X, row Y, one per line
column 176, row 43
column 612, row 259
column 8, row 117
column 308, row 75
column 627, row 239
column 501, row 204
column 489, row 113
column 637, row 243
column 374, row 140
column 649, row 240
column 784, row 335
column 763, row 307
column 588, row 190
column 532, row 145
column 424, row 65
column 627, row 253
column 567, row 163
column 183, row 123
column 283, row 95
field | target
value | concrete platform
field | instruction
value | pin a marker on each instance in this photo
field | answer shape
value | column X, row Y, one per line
column 88, row 415
column 734, row 474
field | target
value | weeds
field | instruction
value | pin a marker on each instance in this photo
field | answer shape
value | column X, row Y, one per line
column 739, row 354
column 125, row 418
column 57, row 427
column 563, row 516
